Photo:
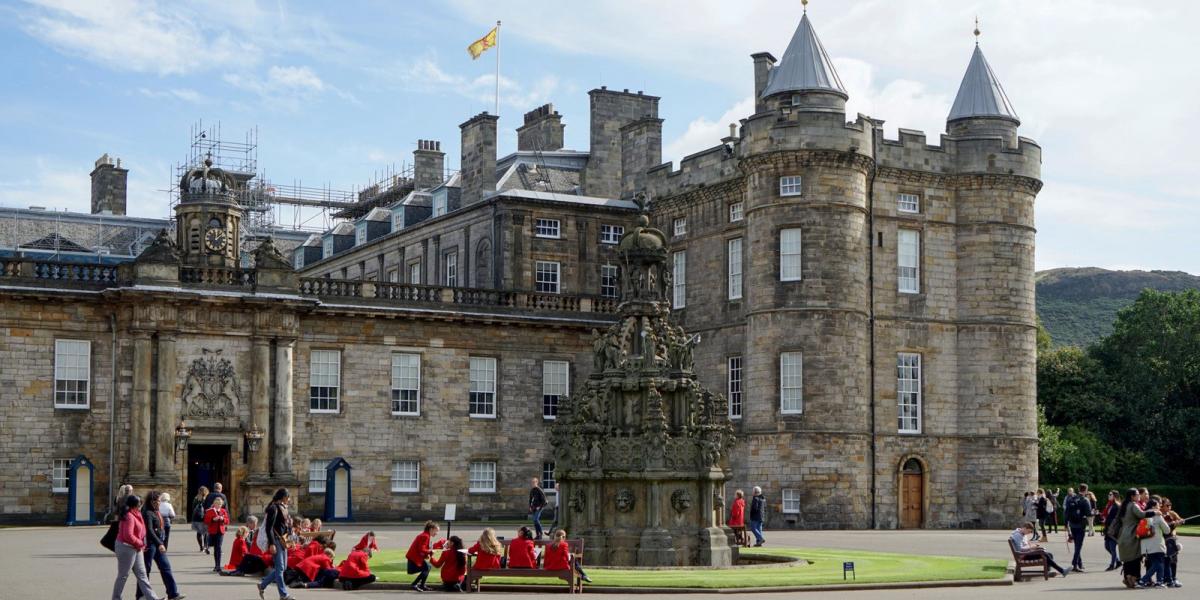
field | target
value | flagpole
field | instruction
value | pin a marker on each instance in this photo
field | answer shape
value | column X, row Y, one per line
column 497, row 68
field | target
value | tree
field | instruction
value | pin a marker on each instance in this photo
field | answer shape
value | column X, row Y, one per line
column 1070, row 387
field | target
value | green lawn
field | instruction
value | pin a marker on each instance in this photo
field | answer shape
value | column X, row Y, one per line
column 1188, row 530
column 825, row 567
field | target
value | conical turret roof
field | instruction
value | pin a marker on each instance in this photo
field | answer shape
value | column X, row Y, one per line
column 980, row 93
column 805, row 66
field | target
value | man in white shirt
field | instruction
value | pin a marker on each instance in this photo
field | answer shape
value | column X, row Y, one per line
column 1023, row 547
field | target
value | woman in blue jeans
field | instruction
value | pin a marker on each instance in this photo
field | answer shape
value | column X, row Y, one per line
column 276, row 523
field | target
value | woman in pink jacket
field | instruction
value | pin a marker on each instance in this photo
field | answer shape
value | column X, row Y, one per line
column 131, row 541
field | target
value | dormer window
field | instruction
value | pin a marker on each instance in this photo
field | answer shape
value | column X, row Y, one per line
column 327, row 247
column 360, row 234
column 298, row 259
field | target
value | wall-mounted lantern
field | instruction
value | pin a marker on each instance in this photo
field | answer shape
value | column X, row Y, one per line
column 254, row 438
column 182, row 434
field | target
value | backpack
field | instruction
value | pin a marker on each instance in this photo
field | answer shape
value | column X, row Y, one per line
column 1144, row 529
column 1077, row 509
column 260, row 535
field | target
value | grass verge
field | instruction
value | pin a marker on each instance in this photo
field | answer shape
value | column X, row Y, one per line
column 824, row 568
column 1193, row 530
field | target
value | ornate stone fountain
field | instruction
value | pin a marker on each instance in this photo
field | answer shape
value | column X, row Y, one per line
column 639, row 449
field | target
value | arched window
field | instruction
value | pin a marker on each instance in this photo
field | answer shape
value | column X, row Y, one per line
column 912, row 467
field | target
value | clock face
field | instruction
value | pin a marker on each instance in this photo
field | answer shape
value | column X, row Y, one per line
column 215, row 240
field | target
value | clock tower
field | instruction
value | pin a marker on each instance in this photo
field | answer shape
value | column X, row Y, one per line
column 208, row 218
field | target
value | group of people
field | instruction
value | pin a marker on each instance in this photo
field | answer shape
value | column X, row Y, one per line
column 738, row 517
column 143, row 527
column 488, row 551
column 1139, row 528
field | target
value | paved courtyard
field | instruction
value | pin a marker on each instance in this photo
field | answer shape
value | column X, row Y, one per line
column 69, row 563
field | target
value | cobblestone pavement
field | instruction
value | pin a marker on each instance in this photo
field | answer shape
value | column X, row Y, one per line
column 64, row 562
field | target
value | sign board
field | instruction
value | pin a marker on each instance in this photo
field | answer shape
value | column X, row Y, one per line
column 848, row 567
column 450, row 510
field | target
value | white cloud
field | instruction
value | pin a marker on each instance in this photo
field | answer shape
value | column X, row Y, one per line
column 704, row 133
column 286, row 87
column 295, row 78
column 185, row 94
column 426, row 75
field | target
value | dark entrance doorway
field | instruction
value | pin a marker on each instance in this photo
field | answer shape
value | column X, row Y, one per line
column 207, row 464
column 912, row 495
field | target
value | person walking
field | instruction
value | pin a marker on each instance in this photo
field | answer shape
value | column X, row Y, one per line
column 198, row 518
column 757, row 509
column 1171, row 562
column 1042, row 504
column 217, row 492
column 1112, row 529
column 1052, row 505
column 1077, row 510
column 131, row 541
column 1129, row 548
column 168, row 516
column 1154, row 548
column 418, row 556
column 118, row 501
column 217, row 519
column 737, row 518
column 537, row 503
column 1091, row 520
column 1029, row 508
column 276, row 524
column 156, row 546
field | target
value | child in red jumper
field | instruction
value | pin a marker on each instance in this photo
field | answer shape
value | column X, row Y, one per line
column 217, row 519
column 487, row 551
column 354, row 571
column 453, row 562
column 558, row 556
column 418, row 554
column 317, row 571
column 239, row 548
column 520, row 551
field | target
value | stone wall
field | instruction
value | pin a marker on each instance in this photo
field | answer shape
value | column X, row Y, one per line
column 610, row 112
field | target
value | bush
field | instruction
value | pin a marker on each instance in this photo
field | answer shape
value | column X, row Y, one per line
column 1185, row 498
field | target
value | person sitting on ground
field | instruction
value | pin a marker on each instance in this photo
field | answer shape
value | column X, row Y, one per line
column 240, row 548
column 316, row 571
column 737, row 519
column 418, row 555
column 354, row 572
column 217, row 519
column 453, row 563
column 488, row 551
column 558, row 556
column 254, row 560
column 1026, row 549
column 1154, row 548
column 520, row 550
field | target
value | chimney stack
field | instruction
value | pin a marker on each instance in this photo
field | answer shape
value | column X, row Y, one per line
column 641, row 149
column 611, row 111
column 763, row 63
column 542, row 131
column 109, row 187
column 478, row 166
column 429, row 163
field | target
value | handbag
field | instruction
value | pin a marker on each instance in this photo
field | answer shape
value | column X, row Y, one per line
column 1143, row 530
column 109, row 539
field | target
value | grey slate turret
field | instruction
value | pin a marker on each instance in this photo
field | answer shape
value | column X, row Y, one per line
column 805, row 66
column 980, row 93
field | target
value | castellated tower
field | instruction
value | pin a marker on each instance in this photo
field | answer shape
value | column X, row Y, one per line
column 866, row 303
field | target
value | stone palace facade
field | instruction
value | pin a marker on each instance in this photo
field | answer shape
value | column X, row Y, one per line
column 865, row 306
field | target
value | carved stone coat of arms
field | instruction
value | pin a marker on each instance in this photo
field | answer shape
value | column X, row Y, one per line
column 211, row 388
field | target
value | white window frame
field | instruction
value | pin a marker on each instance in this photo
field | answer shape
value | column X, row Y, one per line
column 414, row 273
column 450, row 269
column 908, row 392
column 547, row 481
column 360, row 233
column 481, row 477
column 317, row 374
column 60, row 475
column 397, row 220
column 735, row 384
column 406, row 381
column 393, row 276
column 791, row 185
column 908, row 203
column 556, row 386
column 547, row 228
column 908, row 261
column 734, row 280
column 791, row 502
column 679, row 280
column 547, row 277
column 404, row 472
column 610, row 281
column 482, row 378
column 611, row 234
column 679, row 226
column 791, row 383
column 317, row 485
column 72, row 369
column 439, row 205
column 327, row 247
column 791, row 254
column 736, row 212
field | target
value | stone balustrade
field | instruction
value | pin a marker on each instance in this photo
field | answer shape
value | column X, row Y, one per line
column 217, row 276
column 93, row 274
column 454, row 296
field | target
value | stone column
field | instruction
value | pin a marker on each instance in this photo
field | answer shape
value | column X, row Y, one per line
column 283, row 409
column 168, row 408
column 139, row 407
column 260, row 404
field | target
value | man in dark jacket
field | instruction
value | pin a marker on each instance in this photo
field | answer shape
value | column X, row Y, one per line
column 537, row 503
column 1078, row 508
column 757, row 508
column 156, row 549
column 214, row 494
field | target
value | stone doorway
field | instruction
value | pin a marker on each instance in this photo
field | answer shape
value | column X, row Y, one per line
column 912, row 495
column 207, row 464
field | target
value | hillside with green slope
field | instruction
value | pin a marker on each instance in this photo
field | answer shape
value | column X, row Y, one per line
column 1078, row 305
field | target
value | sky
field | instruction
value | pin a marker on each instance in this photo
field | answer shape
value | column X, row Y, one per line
column 339, row 92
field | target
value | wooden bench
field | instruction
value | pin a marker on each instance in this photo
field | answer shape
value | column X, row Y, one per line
column 1027, row 560
column 570, row 576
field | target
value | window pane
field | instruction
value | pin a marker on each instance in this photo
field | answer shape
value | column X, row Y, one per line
column 735, row 212
column 482, row 477
column 789, row 185
column 908, row 392
column 546, row 277
column 790, row 261
column 680, row 226
column 546, row 228
column 735, row 268
column 406, row 476
column 324, row 379
column 548, row 476
column 414, row 273
column 679, row 277
column 72, row 373
column 451, row 260
column 482, row 400
column 908, row 245
column 60, row 475
column 909, row 203
column 609, row 282
column 406, row 384
column 611, row 234
column 791, row 501
column 554, row 386
column 316, row 475
column 735, row 387
column 791, row 382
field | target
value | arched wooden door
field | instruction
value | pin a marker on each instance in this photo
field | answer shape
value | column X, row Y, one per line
column 912, row 495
